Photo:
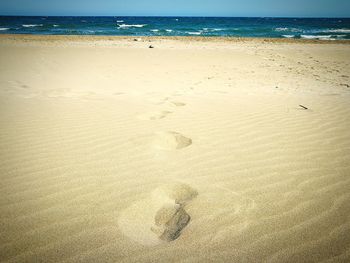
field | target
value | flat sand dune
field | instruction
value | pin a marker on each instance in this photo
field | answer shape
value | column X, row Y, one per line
column 193, row 151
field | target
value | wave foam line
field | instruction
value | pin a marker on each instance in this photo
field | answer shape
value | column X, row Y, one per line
column 32, row 25
column 328, row 37
column 126, row 25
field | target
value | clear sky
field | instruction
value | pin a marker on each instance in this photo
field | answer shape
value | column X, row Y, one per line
column 281, row 8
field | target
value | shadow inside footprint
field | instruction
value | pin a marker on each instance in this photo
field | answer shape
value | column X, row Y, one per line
column 169, row 221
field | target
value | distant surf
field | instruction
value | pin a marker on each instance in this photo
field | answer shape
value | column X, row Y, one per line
column 298, row 28
column 34, row 25
column 126, row 26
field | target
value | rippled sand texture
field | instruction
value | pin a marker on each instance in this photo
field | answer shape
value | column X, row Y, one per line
column 92, row 132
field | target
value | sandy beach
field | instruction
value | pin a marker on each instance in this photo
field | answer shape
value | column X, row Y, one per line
column 195, row 150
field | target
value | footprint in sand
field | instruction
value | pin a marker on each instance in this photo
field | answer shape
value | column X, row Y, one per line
column 158, row 101
column 21, row 90
column 155, row 115
column 171, row 140
column 159, row 218
column 220, row 91
column 118, row 93
column 58, row 93
column 178, row 103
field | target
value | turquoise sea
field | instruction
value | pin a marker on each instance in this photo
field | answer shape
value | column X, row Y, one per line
column 308, row 28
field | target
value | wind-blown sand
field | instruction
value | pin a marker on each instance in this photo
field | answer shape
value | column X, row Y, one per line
column 95, row 131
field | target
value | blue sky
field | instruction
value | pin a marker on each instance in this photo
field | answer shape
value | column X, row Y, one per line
column 282, row 8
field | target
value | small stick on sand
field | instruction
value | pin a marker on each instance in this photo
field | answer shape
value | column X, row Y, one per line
column 305, row 108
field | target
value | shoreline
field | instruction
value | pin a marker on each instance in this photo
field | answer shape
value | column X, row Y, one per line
column 58, row 38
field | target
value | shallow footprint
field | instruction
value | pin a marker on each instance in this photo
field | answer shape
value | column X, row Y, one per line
column 118, row 93
column 21, row 90
column 158, row 101
column 58, row 93
column 155, row 115
column 159, row 218
column 178, row 103
column 171, row 140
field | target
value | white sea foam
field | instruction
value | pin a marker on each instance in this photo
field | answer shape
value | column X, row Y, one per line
column 126, row 25
column 284, row 29
column 281, row 29
column 120, row 21
column 32, row 25
column 342, row 30
column 55, row 25
column 288, row 36
column 194, row 33
column 213, row 29
column 328, row 37
column 168, row 30
column 154, row 30
column 4, row 28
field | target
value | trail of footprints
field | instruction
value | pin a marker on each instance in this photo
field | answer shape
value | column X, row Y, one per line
column 166, row 140
column 162, row 216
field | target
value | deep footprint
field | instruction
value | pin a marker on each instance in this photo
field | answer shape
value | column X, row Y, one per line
column 159, row 218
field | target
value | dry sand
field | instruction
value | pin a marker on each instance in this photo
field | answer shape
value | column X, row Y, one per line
column 95, row 131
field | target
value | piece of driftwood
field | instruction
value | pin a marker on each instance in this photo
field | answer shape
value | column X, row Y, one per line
column 305, row 108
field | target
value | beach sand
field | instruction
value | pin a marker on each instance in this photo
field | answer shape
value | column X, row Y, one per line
column 104, row 140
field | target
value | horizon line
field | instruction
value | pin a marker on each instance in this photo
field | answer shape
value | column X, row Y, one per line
column 180, row 16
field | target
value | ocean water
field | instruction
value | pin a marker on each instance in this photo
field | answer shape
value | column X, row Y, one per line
column 308, row 28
